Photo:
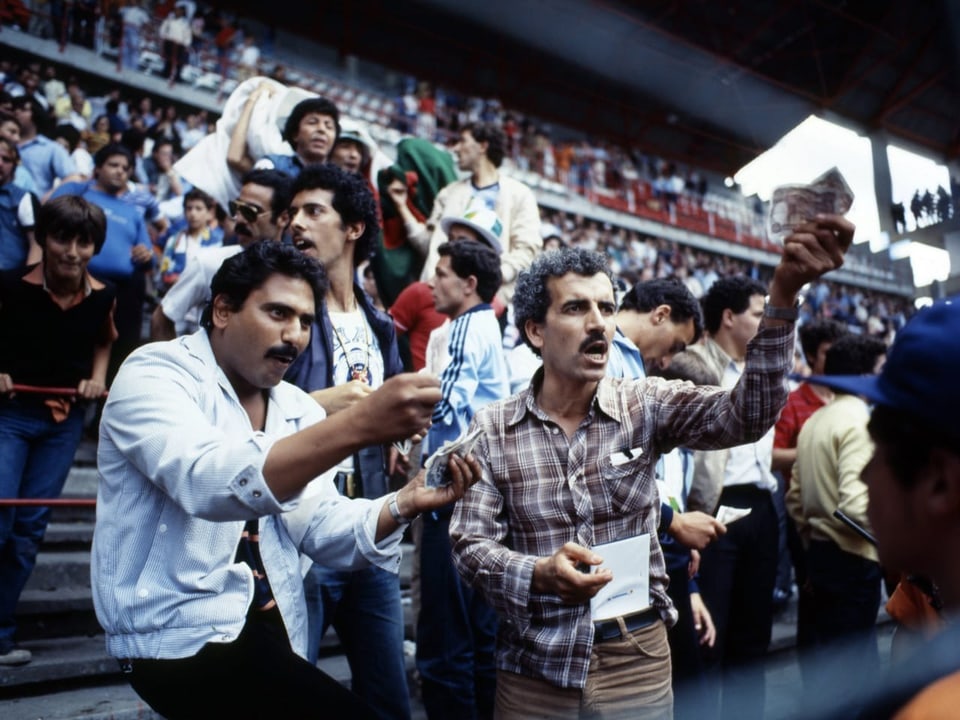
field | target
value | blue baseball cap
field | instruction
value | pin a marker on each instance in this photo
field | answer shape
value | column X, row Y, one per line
column 922, row 374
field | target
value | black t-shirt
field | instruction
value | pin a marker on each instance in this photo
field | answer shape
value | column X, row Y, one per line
column 43, row 344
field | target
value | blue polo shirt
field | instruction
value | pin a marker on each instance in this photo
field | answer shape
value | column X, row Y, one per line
column 13, row 242
column 125, row 228
column 46, row 160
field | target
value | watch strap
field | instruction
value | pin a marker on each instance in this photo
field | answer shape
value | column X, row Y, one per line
column 789, row 314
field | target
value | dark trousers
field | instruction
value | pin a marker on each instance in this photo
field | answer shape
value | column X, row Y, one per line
column 456, row 633
column 256, row 676
column 737, row 575
column 689, row 685
column 845, row 599
column 128, row 318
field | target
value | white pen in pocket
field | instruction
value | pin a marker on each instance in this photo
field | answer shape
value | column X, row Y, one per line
column 625, row 456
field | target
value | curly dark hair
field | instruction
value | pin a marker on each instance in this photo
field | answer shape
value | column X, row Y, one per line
column 352, row 199
column 241, row 274
column 319, row 105
column 729, row 292
column 531, row 297
column 646, row 296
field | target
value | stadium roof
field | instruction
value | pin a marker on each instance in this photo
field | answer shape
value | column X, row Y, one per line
column 709, row 82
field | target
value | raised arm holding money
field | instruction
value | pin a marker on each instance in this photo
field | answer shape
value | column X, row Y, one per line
column 568, row 464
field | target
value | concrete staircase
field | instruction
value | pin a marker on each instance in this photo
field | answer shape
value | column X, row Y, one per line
column 71, row 676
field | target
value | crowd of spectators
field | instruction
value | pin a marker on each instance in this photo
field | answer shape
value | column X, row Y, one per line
column 224, row 50
column 159, row 132
column 120, row 154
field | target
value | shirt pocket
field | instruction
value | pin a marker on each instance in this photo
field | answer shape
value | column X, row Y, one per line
column 625, row 480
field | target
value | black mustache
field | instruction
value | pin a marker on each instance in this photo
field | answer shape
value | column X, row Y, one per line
column 242, row 229
column 591, row 339
column 283, row 352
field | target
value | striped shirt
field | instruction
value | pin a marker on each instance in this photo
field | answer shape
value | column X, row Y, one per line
column 476, row 375
column 540, row 489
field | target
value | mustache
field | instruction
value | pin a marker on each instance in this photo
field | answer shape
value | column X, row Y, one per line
column 242, row 229
column 282, row 352
column 592, row 339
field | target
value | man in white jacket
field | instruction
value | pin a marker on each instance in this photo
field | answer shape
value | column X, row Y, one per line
column 209, row 492
column 480, row 151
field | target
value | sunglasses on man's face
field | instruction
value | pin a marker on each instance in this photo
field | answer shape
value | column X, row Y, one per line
column 247, row 211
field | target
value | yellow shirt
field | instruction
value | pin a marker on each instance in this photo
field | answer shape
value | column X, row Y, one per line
column 832, row 449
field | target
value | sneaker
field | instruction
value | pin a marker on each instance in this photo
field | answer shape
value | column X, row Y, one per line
column 15, row 656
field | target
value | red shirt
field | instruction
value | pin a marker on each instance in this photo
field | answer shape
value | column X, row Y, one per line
column 414, row 313
column 801, row 404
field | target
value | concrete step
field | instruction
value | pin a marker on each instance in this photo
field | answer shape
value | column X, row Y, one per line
column 68, row 535
column 60, row 569
column 115, row 701
column 73, row 679
column 57, row 660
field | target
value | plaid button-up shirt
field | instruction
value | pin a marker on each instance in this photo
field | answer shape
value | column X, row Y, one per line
column 541, row 489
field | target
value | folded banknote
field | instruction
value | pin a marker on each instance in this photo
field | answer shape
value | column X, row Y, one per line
column 793, row 205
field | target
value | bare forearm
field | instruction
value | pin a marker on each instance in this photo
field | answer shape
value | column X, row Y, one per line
column 783, row 459
column 101, row 360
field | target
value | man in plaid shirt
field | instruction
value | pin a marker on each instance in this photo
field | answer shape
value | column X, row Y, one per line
column 568, row 464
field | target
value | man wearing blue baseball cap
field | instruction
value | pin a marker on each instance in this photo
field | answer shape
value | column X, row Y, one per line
column 914, row 506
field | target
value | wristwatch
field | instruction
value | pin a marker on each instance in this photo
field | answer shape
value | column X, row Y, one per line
column 781, row 313
column 394, row 509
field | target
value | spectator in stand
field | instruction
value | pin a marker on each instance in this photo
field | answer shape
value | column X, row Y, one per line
column 98, row 136
column 456, row 628
column 134, row 18
column 56, row 321
column 913, row 480
column 259, row 213
column 568, row 465
column 656, row 321
column 415, row 316
column 127, row 252
column 29, row 86
column 249, row 60
column 46, row 160
column 193, row 130
column 369, row 283
column 17, row 210
column 842, row 571
column 480, row 151
column 350, row 152
column 224, row 41
column 70, row 138
column 10, row 130
column 165, row 128
column 177, row 37
column 311, row 130
column 738, row 572
column 239, row 501
column 352, row 351
column 74, row 108
column 162, row 178
column 816, row 338
column 53, row 86
column 183, row 247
